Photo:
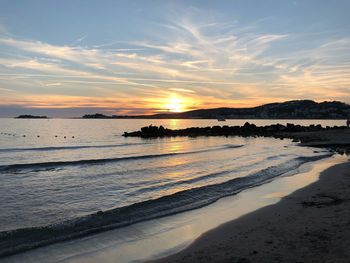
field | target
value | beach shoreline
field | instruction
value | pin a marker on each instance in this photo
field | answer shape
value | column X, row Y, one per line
column 310, row 225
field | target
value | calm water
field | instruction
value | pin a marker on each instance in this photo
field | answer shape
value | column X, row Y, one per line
column 53, row 181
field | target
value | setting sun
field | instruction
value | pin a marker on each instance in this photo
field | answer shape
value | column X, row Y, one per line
column 175, row 104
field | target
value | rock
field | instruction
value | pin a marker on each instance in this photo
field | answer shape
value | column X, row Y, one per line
column 278, row 131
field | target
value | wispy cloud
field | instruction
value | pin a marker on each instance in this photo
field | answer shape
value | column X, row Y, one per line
column 81, row 38
column 221, row 62
column 183, row 90
column 53, row 84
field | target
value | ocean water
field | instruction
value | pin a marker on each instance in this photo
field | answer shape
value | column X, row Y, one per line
column 64, row 178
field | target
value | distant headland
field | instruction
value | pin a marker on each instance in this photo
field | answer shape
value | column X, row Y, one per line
column 295, row 109
column 30, row 117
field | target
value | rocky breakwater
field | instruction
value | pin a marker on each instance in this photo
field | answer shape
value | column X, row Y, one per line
column 336, row 138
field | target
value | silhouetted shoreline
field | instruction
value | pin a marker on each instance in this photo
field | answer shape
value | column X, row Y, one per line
column 295, row 109
column 336, row 138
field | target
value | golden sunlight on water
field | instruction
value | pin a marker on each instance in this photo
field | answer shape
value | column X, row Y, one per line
column 174, row 123
column 175, row 147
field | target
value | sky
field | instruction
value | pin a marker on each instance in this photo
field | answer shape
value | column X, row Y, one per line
column 68, row 58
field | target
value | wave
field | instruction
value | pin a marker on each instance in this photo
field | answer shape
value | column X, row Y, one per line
column 44, row 165
column 18, row 240
column 195, row 179
column 77, row 147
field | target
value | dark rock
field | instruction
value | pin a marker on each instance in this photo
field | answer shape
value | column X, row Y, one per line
column 278, row 131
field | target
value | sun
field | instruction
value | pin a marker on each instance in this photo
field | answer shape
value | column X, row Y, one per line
column 175, row 104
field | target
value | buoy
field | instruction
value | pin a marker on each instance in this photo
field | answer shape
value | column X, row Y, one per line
column 38, row 136
column 24, row 136
column 72, row 136
column 65, row 137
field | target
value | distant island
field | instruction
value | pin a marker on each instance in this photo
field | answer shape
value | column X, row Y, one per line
column 30, row 117
column 98, row 116
column 295, row 109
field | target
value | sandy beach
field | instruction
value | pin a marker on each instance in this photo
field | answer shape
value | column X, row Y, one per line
column 310, row 225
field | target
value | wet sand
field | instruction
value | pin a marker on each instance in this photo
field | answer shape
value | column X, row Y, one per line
column 310, row 225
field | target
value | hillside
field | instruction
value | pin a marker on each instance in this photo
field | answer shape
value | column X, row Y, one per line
column 296, row 109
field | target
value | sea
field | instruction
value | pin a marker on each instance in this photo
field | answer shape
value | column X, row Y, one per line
column 66, row 178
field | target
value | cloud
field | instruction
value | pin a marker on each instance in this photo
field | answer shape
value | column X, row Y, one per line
column 183, row 90
column 217, row 61
column 53, row 84
column 81, row 38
